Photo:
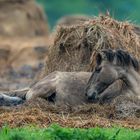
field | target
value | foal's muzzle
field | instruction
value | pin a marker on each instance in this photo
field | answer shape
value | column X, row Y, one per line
column 91, row 96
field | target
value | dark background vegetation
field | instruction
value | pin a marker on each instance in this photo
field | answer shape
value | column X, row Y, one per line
column 119, row 9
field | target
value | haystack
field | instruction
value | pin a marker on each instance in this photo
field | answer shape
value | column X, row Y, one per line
column 75, row 46
column 22, row 18
column 72, row 19
column 23, row 33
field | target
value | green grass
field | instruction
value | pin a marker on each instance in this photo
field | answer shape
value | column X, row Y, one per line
column 56, row 132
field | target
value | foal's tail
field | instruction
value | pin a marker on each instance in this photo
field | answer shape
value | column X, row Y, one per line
column 17, row 93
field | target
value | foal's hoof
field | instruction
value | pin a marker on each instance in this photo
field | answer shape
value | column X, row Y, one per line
column 10, row 101
column 16, row 101
column 1, row 100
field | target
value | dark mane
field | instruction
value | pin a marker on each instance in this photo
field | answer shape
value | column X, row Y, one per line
column 123, row 58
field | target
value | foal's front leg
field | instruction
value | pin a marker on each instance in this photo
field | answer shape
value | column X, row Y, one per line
column 111, row 92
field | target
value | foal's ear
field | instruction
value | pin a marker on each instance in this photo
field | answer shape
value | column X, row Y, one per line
column 100, row 57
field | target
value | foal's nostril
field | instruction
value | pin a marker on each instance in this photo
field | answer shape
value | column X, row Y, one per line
column 91, row 97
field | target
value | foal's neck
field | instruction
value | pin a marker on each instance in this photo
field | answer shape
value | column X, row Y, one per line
column 133, row 78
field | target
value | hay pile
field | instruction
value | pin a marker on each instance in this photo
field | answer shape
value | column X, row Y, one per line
column 22, row 18
column 72, row 19
column 21, row 59
column 23, row 36
column 75, row 46
column 43, row 115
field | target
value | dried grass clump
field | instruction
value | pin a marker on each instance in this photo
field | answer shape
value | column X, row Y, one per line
column 75, row 46
column 126, row 107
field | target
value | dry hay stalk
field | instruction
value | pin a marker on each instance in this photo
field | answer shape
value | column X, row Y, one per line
column 74, row 46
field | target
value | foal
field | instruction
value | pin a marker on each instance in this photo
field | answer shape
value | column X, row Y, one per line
column 116, row 73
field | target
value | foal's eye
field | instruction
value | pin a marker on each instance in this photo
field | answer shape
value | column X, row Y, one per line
column 98, row 69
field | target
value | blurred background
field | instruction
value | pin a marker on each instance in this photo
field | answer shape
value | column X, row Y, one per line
column 26, row 31
column 119, row 9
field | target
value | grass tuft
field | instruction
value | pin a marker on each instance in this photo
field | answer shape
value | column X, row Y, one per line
column 56, row 132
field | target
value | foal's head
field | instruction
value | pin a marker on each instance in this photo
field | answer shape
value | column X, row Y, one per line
column 111, row 65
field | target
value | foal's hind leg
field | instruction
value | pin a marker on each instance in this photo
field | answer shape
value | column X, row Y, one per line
column 46, row 92
column 6, row 100
column 111, row 92
column 45, row 88
column 21, row 93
